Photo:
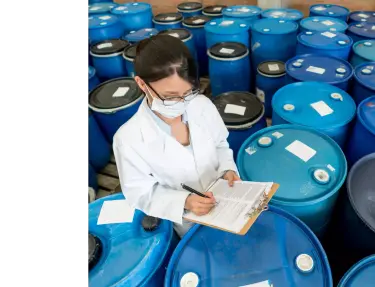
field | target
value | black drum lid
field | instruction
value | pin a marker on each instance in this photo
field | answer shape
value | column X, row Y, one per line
column 272, row 68
column 108, row 47
column 95, row 250
column 179, row 33
column 228, row 50
column 131, row 51
column 198, row 20
column 189, row 6
column 168, row 17
column 214, row 9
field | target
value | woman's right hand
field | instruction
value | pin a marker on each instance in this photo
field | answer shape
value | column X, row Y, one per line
column 200, row 205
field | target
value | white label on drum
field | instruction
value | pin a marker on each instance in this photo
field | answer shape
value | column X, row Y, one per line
column 105, row 45
column 94, row 8
column 373, row 28
column 300, row 60
column 260, row 95
column 174, row 35
column 105, row 17
column 273, row 67
column 120, row 92
column 226, row 23
column 243, row 9
column 320, row 8
column 363, row 15
column 328, row 23
column 277, row 135
column 115, row 211
column 251, row 150
column 301, row 150
column 148, row 30
column 316, row 70
column 120, row 8
column 169, row 18
column 226, row 51
column 330, row 167
column 329, row 34
column 234, row 109
column 322, row 108
column 266, row 283
column 198, row 21
column 277, row 13
column 217, row 9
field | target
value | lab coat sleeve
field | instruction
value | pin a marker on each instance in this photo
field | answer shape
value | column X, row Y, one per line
column 142, row 190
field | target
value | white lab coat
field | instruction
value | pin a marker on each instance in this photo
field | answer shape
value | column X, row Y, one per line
column 152, row 164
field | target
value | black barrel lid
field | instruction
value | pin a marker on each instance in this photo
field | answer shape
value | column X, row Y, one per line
column 168, row 17
column 115, row 93
column 130, row 51
column 228, row 50
column 198, row 20
column 238, row 108
column 108, row 47
column 272, row 68
column 189, row 6
column 214, row 9
column 95, row 250
column 179, row 33
column 150, row 223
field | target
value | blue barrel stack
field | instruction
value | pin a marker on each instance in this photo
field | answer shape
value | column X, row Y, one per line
column 363, row 51
column 283, row 14
column 329, row 10
column 243, row 12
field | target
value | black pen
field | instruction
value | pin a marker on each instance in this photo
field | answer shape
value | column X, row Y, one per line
column 193, row 190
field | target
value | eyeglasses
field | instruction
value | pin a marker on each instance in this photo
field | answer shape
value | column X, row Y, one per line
column 174, row 100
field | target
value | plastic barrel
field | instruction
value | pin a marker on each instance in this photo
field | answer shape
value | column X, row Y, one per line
column 129, row 56
column 273, row 39
column 214, row 11
column 107, row 58
column 189, row 9
column 362, row 140
column 243, row 115
column 195, row 25
column 323, row 107
column 361, row 31
column 361, row 274
column 96, row 1
column 226, row 30
column 319, row 68
column 309, row 166
column 278, row 248
column 185, row 36
column 104, row 27
column 283, row 14
column 93, row 79
column 364, row 82
column 363, row 52
column 114, row 102
column 324, row 43
column 244, row 12
column 134, row 16
column 136, row 36
column 270, row 78
column 128, row 254
column 165, row 21
column 362, row 16
column 101, row 8
column 93, row 182
column 229, row 68
column 323, row 24
column 329, row 10
column 99, row 148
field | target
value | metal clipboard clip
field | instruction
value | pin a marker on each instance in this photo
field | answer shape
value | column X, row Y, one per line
column 261, row 206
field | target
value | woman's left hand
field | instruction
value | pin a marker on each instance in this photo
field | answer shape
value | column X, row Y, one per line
column 231, row 177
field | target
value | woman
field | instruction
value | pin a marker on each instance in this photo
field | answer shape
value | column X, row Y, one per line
column 177, row 136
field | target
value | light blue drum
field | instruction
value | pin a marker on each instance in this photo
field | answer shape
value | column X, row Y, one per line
column 309, row 166
column 324, row 43
column 283, row 14
column 134, row 16
column 244, row 12
column 362, row 16
column 361, row 274
column 128, row 254
column 185, row 36
column 101, row 8
column 273, row 39
column 104, row 27
column 363, row 52
column 93, row 79
column 165, row 21
column 189, row 9
column 229, row 68
column 323, row 24
column 361, row 31
column 129, row 56
column 114, row 102
column 329, row 10
column 137, row 36
column 317, row 105
column 214, row 11
column 364, row 82
column 319, row 68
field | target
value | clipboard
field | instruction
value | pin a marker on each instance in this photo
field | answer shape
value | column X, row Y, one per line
column 253, row 214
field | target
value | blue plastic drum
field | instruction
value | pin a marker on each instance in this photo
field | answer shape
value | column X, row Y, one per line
column 361, row 31
column 93, row 79
column 273, row 39
column 137, row 36
column 226, row 30
column 323, row 24
column 134, row 16
column 364, row 82
column 107, row 58
column 229, row 68
column 114, row 102
column 362, row 140
column 189, row 9
column 104, row 27
column 324, row 43
column 362, row 16
column 319, row 68
column 283, row 14
column 317, row 105
column 129, row 56
column 244, row 12
column 363, row 52
column 309, row 166
column 329, row 10
column 214, row 11
column 93, row 182
column 128, row 254
column 185, row 36
column 360, row 275
column 99, row 148
column 243, row 115
column 278, row 249
column 270, row 78
column 96, row 1
column 167, row 21
column 101, row 8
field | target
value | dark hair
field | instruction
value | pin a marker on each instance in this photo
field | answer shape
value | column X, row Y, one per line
column 161, row 56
